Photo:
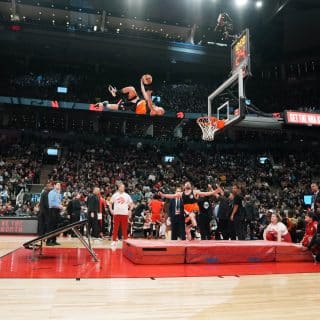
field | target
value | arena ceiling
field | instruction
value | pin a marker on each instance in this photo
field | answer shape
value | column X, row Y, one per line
column 173, row 20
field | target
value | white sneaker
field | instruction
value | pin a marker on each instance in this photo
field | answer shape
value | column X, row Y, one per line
column 113, row 245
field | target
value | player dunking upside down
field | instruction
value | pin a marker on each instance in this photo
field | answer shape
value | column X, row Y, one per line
column 190, row 197
column 130, row 101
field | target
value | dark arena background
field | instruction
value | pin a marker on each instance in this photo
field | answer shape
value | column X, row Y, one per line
column 159, row 159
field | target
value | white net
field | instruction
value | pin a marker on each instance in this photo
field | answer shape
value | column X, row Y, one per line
column 208, row 127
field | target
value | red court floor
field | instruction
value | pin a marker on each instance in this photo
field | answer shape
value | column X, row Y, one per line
column 77, row 263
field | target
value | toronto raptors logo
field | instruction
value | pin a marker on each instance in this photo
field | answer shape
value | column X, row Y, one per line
column 121, row 200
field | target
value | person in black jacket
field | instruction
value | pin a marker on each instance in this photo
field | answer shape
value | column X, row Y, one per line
column 223, row 215
column 44, row 211
column 74, row 209
column 204, row 217
column 251, row 215
column 237, row 217
column 93, row 210
column 176, row 215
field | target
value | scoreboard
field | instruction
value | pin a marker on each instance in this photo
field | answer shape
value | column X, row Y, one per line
column 240, row 53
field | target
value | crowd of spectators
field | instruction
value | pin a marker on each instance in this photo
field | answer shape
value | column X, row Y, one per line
column 187, row 97
column 19, row 168
column 276, row 182
column 37, row 80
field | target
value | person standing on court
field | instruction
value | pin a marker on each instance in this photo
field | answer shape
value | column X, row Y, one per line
column 43, row 216
column 54, row 201
column 237, row 217
column 251, row 215
column 176, row 215
column 156, row 208
column 121, row 206
column 204, row 217
column 223, row 215
column 315, row 196
column 74, row 208
column 93, row 203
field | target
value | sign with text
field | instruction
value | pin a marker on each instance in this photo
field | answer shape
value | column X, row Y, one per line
column 18, row 226
column 302, row 118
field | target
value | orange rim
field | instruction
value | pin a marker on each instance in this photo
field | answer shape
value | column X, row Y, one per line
column 211, row 121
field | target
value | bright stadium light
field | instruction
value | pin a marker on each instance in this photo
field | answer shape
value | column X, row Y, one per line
column 259, row 4
column 241, row 3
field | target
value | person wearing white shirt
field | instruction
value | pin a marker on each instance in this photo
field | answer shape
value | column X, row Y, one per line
column 120, row 206
column 276, row 230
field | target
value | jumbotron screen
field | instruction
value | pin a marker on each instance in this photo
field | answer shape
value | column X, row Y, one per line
column 240, row 52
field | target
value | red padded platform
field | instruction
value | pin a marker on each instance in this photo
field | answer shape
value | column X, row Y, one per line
column 212, row 252
column 230, row 251
column 291, row 252
column 154, row 251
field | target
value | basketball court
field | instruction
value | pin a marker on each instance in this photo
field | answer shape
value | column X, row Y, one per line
column 154, row 278
column 120, row 294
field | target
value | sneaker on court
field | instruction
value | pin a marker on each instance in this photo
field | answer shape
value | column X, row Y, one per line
column 113, row 245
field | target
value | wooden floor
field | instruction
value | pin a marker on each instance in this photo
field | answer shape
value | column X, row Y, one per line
column 294, row 296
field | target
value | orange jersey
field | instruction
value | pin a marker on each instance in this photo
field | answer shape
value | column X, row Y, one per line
column 191, row 207
column 141, row 107
column 156, row 207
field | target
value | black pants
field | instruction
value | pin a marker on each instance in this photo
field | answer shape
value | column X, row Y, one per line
column 224, row 229
column 147, row 232
column 237, row 230
column 42, row 223
column 250, row 225
column 110, row 226
column 204, row 226
column 94, row 226
column 178, row 229
column 54, row 218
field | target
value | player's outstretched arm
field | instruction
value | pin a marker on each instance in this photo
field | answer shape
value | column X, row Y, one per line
column 170, row 195
column 146, row 95
column 217, row 192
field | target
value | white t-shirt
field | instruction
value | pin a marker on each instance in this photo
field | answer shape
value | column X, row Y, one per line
column 121, row 202
column 278, row 227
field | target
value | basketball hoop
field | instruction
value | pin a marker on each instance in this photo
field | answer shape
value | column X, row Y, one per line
column 209, row 126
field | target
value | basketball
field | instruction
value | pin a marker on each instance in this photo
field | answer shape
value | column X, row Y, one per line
column 147, row 79
column 220, row 124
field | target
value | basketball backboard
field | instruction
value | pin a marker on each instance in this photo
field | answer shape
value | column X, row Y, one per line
column 226, row 105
